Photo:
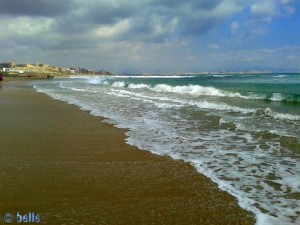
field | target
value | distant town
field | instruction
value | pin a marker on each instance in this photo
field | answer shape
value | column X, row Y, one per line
column 39, row 69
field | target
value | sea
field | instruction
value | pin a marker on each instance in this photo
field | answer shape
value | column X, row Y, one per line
column 240, row 130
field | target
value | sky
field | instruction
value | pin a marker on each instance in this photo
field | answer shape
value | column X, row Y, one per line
column 153, row 35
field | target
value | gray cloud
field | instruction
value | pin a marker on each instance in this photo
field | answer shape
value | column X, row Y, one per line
column 151, row 21
column 34, row 8
column 195, row 4
column 107, row 12
column 140, row 29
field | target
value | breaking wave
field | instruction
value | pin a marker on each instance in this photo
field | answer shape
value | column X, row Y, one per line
column 205, row 105
column 197, row 90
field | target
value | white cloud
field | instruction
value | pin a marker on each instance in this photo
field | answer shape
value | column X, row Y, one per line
column 113, row 31
column 25, row 26
column 266, row 10
column 261, row 15
column 234, row 26
column 213, row 46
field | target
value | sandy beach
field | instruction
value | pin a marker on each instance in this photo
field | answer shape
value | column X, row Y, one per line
column 72, row 168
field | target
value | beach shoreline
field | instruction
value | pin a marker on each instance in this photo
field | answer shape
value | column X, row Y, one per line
column 72, row 168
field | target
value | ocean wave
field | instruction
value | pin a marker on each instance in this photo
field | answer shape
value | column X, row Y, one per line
column 118, row 84
column 263, row 113
column 154, row 76
column 222, row 75
column 280, row 76
column 221, row 106
column 206, row 105
column 138, row 86
column 241, row 126
column 274, row 97
column 195, row 90
column 281, row 97
column 190, row 89
column 198, row 90
column 96, row 81
column 281, row 116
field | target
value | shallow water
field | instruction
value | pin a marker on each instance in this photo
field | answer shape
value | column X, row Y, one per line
column 242, row 131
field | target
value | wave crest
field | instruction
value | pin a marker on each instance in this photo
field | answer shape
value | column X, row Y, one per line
column 198, row 90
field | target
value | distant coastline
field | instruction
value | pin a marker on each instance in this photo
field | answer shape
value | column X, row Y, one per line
column 41, row 70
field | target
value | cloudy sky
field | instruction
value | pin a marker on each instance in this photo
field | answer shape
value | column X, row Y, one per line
column 153, row 35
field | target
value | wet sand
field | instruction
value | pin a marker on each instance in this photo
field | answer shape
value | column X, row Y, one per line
column 71, row 168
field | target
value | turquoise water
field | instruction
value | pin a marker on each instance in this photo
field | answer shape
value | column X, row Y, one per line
column 242, row 131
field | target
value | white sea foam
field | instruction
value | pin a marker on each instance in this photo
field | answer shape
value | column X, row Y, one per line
column 138, row 86
column 210, row 105
column 118, row 84
column 277, row 97
column 190, row 89
column 198, row 90
column 200, row 104
column 280, row 76
column 281, row 116
column 221, row 106
column 154, row 76
column 97, row 80
column 222, row 75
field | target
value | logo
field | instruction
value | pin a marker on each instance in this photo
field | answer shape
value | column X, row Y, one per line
column 8, row 218
column 31, row 217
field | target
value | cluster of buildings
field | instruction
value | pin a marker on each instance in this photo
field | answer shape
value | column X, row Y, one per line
column 41, row 68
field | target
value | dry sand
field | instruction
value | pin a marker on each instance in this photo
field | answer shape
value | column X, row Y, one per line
column 71, row 168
